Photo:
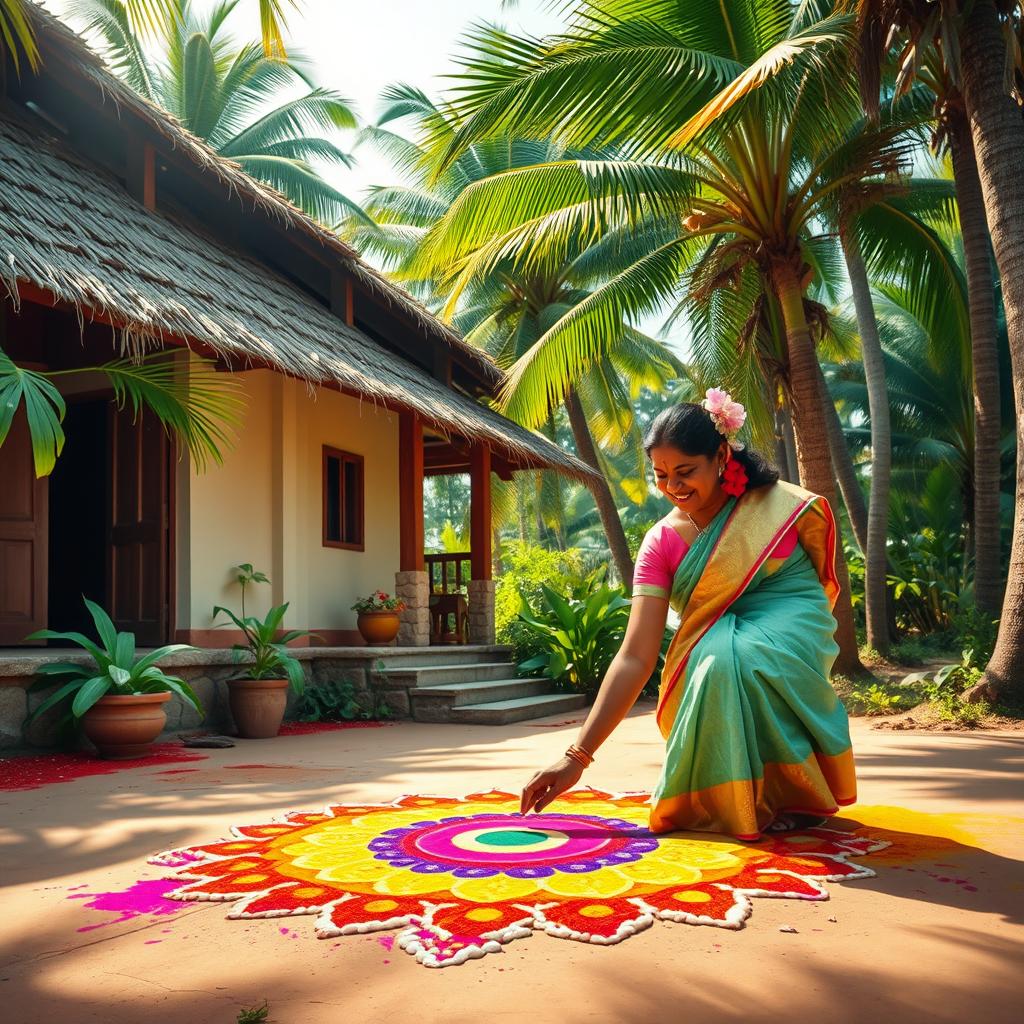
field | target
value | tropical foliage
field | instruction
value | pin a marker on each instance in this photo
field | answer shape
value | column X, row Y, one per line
column 579, row 636
column 502, row 307
column 265, row 113
column 144, row 16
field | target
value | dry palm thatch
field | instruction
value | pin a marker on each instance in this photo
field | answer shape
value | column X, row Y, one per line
column 69, row 227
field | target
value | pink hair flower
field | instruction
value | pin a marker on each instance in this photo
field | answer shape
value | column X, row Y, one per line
column 727, row 415
column 715, row 400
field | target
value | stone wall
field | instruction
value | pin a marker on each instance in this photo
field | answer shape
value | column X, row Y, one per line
column 383, row 673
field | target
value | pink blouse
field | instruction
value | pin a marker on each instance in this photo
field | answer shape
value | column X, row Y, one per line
column 663, row 549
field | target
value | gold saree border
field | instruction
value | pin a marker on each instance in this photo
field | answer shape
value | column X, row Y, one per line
column 749, row 536
column 819, row 785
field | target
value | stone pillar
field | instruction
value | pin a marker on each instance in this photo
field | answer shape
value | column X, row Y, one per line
column 413, row 589
column 481, row 611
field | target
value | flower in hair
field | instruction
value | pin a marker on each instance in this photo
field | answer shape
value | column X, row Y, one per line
column 727, row 415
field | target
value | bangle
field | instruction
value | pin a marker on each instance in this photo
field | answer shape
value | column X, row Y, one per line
column 579, row 755
column 572, row 755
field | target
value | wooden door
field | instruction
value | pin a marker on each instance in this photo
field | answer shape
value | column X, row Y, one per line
column 139, row 527
column 24, row 537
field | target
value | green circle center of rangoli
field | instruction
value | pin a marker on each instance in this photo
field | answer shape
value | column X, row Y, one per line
column 512, row 837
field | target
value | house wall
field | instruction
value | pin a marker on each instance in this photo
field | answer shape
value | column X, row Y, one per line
column 264, row 506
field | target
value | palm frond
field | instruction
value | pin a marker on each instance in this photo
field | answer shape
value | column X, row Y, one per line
column 543, row 376
column 44, row 411
column 195, row 404
column 121, row 47
column 303, row 186
column 319, row 110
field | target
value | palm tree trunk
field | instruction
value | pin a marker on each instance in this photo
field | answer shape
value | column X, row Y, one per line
column 812, row 452
column 853, row 496
column 998, row 135
column 602, row 492
column 988, row 572
column 881, row 447
column 786, row 444
column 846, row 474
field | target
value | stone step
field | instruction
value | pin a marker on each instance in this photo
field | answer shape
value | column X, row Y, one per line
column 401, row 658
column 504, row 712
column 419, row 676
column 435, row 703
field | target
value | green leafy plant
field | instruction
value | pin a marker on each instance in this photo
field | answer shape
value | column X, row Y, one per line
column 254, row 1014
column 246, row 575
column 266, row 650
column 115, row 670
column 908, row 652
column 876, row 699
column 340, row 702
column 578, row 637
column 944, row 687
column 526, row 568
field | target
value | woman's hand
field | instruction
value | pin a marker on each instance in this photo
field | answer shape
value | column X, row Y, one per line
column 545, row 786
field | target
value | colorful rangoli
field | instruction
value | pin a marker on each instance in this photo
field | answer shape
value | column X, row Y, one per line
column 463, row 877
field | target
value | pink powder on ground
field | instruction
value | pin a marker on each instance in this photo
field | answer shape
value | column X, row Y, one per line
column 142, row 898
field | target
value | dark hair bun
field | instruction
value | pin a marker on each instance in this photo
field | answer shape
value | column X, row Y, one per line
column 690, row 428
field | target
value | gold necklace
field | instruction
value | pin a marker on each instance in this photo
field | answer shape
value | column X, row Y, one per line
column 701, row 529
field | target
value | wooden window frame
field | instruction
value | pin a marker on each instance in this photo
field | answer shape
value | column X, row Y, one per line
column 329, row 452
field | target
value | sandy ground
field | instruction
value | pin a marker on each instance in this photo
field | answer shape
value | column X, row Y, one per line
column 936, row 936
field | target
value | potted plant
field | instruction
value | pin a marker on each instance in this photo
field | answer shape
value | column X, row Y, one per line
column 377, row 619
column 118, row 698
column 257, row 693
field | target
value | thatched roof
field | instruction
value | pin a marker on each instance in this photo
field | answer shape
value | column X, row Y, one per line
column 60, row 45
column 69, row 227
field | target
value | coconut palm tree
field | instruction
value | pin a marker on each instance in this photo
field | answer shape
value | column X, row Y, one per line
column 222, row 94
column 505, row 308
column 974, row 37
column 928, row 64
column 18, row 36
column 721, row 113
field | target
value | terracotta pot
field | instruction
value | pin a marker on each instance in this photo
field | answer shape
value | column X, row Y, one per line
column 125, row 726
column 378, row 628
column 257, row 706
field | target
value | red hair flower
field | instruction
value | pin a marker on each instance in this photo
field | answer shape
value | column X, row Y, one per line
column 734, row 478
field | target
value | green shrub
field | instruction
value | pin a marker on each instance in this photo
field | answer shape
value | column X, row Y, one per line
column 578, row 637
column 876, row 699
column 526, row 568
column 944, row 688
column 908, row 652
column 339, row 702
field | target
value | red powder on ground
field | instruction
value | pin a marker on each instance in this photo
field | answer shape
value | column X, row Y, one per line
column 39, row 770
column 304, row 728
